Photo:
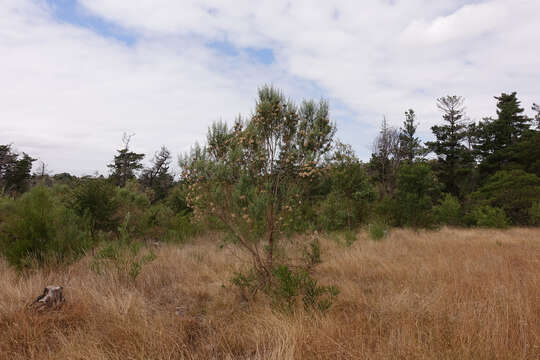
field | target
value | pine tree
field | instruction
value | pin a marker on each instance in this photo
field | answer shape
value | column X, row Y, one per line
column 15, row 172
column 497, row 138
column 511, row 123
column 157, row 177
column 454, row 159
column 125, row 163
column 410, row 144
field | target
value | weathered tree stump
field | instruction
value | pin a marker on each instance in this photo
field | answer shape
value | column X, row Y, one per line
column 52, row 298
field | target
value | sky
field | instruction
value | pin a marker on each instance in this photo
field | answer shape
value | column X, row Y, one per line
column 77, row 74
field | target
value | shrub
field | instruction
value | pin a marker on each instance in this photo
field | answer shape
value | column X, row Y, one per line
column 414, row 198
column 312, row 253
column 534, row 214
column 95, row 200
column 288, row 287
column 378, row 230
column 176, row 201
column 513, row 191
column 490, row 217
column 132, row 199
column 334, row 214
column 351, row 195
column 182, row 228
column 449, row 211
column 39, row 229
column 251, row 178
column 124, row 256
column 292, row 285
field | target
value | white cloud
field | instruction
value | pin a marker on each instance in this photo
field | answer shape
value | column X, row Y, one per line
column 467, row 23
column 72, row 87
column 69, row 94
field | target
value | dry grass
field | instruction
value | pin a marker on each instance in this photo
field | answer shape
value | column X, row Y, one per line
column 453, row 294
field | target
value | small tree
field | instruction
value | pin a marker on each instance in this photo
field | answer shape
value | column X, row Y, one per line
column 15, row 172
column 351, row 192
column 497, row 138
column 157, row 177
column 125, row 163
column 250, row 178
column 386, row 158
column 409, row 143
column 454, row 159
column 95, row 200
column 414, row 199
column 449, row 211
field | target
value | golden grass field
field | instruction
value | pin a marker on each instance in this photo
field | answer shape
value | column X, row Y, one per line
column 451, row 294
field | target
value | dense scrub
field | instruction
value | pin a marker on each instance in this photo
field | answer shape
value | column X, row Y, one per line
column 278, row 172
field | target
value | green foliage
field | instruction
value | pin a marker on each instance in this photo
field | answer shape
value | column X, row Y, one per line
column 126, row 260
column 38, row 229
column 14, row 170
column 253, row 177
column 317, row 297
column 496, row 138
column 490, row 217
column 95, row 200
column 378, row 230
column 351, row 195
column 176, row 200
column 312, row 253
column 417, row 188
column 410, row 144
column 132, row 199
column 534, row 214
column 448, row 212
column 525, row 154
column 513, row 191
column 160, row 222
column 125, row 257
column 454, row 159
column 335, row 213
column 125, row 164
column 292, row 285
column 157, row 177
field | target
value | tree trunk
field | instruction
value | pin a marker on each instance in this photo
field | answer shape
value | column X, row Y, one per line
column 52, row 298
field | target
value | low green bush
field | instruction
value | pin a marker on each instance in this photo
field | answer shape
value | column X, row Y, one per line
column 124, row 256
column 288, row 287
column 39, row 229
column 534, row 214
column 378, row 230
column 490, row 217
column 292, row 285
column 95, row 200
column 514, row 191
column 448, row 212
column 132, row 199
column 335, row 214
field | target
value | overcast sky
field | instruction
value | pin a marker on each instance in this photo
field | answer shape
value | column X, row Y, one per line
column 76, row 74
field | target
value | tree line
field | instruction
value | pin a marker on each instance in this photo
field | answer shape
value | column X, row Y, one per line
column 282, row 170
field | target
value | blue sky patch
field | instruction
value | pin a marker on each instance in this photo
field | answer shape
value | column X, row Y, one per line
column 69, row 11
column 262, row 56
column 224, row 47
